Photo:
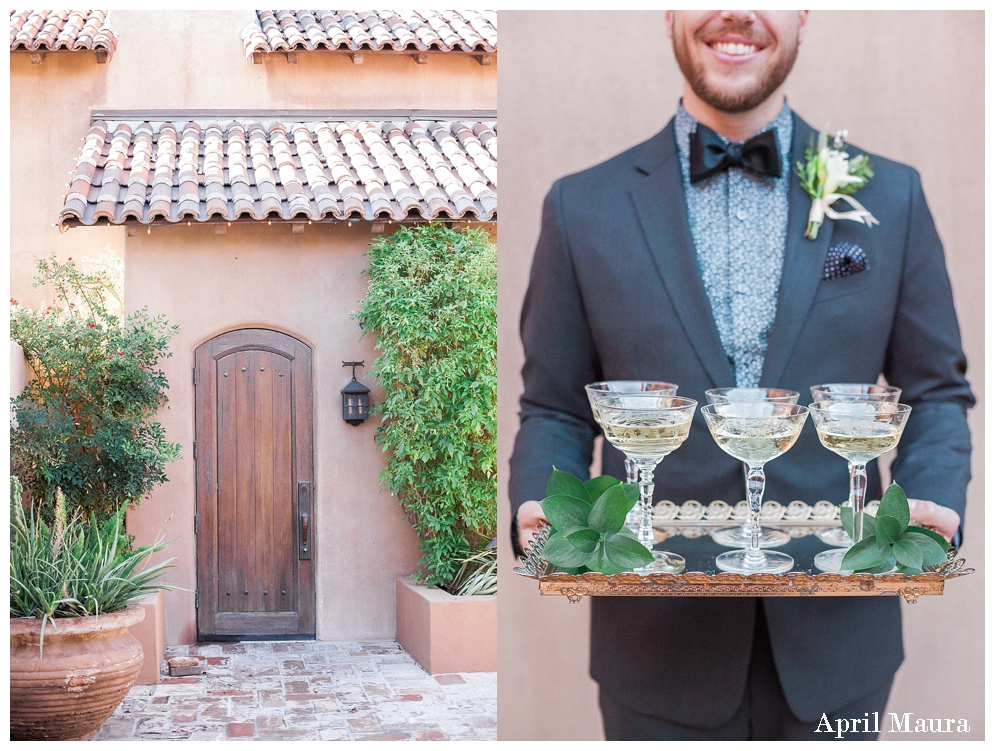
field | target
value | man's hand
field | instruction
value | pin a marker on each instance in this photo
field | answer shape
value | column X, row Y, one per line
column 926, row 514
column 530, row 516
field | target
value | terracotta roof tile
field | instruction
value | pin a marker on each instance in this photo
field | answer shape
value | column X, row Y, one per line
column 57, row 30
column 167, row 172
column 371, row 31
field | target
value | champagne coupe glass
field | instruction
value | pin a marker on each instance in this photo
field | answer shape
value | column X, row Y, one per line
column 850, row 393
column 755, row 433
column 628, row 387
column 859, row 432
column 741, row 536
column 646, row 427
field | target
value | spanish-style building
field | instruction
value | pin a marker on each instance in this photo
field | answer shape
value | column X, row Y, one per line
column 241, row 162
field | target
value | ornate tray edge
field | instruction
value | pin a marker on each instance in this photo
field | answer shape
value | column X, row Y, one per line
column 698, row 584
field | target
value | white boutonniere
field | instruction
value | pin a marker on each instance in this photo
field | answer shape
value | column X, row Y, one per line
column 829, row 175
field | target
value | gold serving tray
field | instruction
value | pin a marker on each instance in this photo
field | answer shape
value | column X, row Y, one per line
column 685, row 530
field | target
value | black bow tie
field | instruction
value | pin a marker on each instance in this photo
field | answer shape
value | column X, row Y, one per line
column 710, row 154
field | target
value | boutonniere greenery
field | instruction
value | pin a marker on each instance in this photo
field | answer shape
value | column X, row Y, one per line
column 828, row 175
column 588, row 525
column 889, row 541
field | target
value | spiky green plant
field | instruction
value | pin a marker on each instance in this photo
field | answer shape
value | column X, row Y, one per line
column 75, row 567
column 477, row 574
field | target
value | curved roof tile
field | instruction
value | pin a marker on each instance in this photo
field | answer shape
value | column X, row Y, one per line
column 157, row 172
column 62, row 30
column 371, row 31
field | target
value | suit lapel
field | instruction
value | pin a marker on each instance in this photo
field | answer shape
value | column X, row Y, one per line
column 802, row 270
column 658, row 198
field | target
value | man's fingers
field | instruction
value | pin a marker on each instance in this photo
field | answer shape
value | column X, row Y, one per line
column 530, row 516
column 940, row 518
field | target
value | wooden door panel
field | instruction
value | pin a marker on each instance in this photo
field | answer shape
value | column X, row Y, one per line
column 257, row 390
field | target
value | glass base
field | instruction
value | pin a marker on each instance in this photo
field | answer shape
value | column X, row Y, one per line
column 831, row 560
column 741, row 537
column 835, row 536
column 735, row 562
column 665, row 563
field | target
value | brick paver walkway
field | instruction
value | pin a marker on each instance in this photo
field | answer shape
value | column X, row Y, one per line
column 308, row 691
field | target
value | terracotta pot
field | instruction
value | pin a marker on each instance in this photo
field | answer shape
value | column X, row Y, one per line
column 86, row 669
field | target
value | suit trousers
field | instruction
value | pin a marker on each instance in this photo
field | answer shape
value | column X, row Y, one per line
column 763, row 714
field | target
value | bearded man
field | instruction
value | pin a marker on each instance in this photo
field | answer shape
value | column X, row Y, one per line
column 695, row 269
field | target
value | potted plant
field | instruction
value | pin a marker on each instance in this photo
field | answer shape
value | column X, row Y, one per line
column 432, row 304
column 72, row 588
column 85, row 445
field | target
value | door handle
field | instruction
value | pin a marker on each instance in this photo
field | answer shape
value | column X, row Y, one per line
column 304, row 514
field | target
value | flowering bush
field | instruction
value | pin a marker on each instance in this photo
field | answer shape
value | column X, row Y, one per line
column 432, row 304
column 85, row 423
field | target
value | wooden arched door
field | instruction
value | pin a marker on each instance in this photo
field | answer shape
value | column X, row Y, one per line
column 255, row 505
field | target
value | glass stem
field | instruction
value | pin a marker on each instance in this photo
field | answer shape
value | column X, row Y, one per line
column 858, row 487
column 631, row 471
column 645, row 534
column 632, row 477
column 755, row 481
column 747, row 525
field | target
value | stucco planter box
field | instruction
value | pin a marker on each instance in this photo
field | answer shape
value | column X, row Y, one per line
column 445, row 633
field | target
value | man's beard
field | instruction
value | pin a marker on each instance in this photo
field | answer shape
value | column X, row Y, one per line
column 736, row 101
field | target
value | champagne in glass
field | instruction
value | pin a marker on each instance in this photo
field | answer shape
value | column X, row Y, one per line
column 741, row 536
column 646, row 427
column 755, row 433
column 628, row 387
column 859, row 432
column 850, row 393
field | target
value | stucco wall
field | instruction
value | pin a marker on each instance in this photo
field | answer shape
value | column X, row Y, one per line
column 49, row 115
column 907, row 85
column 305, row 285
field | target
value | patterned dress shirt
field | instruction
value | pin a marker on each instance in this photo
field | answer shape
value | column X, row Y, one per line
column 739, row 227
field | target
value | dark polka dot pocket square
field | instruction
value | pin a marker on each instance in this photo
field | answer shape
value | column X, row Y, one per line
column 844, row 259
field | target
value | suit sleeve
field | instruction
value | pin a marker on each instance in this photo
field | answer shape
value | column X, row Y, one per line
column 556, row 425
column 925, row 359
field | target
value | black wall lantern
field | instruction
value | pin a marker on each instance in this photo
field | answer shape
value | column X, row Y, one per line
column 355, row 398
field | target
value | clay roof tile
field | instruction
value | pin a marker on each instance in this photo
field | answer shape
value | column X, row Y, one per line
column 376, row 31
column 62, row 30
column 167, row 172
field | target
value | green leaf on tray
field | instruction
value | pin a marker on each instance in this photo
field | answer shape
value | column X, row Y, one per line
column 884, row 568
column 932, row 553
column 561, row 552
column 588, row 525
column 565, row 512
column 865, row 554
column 908, row 554
column 846, row 520
column 596, row 486
column 895, row 543
column 894, row 503
column 599, row 561
column 609, row 511
column 935, row 536
column 583, row 538
column 564, row 483
column 626, row 551
column 888, row 530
